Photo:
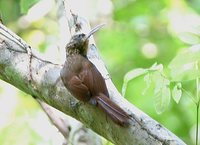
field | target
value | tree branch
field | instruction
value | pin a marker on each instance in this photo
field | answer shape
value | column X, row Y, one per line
column 61, row 123
column 47, row 86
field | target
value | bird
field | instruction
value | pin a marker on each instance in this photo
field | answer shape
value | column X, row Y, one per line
column 83, row 80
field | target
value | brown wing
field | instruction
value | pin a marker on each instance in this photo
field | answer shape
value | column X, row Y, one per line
column 83, row 81
column 79, row 89
column 93, row 79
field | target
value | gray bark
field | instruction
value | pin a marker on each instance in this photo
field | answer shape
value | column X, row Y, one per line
column 47, row 86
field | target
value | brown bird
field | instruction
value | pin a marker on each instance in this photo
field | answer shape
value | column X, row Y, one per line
column 85, row 82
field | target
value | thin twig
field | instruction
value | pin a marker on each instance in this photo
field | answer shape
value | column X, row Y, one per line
column 56, row 119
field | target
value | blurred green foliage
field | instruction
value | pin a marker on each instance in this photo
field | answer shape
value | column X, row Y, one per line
column 141, row 33
column 148, row 23
column 9, row 10
column 26, row 4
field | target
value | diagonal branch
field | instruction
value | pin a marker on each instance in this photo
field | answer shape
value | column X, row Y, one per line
column 14, row 69
column 46, row 85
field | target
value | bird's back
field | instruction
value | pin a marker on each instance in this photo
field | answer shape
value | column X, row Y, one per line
column 78, row 68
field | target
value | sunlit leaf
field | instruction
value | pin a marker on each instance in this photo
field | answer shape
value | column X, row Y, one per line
column 160, row 82
column 161, row 92
column 177, row 93
column 156, row 67
column 26, row 4
column 148, row 81
column 162, row 100
column 189, row 38
column 130, row 76
column 182, row 67
column 134, row 74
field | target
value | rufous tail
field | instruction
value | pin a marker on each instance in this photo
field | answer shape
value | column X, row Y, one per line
column 117, row 114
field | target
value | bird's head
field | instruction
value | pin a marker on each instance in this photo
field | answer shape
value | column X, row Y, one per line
column 79, row 43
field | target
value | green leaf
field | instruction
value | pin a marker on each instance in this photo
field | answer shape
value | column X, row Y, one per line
column 148, row 81
column 182, row 67
column 130, row 76
column 160, row 82
column 156, row 67
column 26, row 4
column 177, row 93
column 189, row 38
column 134, row 74
column 162, row 100
column 161, row 92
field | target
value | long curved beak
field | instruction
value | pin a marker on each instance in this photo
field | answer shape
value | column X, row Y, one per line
column 95, row 29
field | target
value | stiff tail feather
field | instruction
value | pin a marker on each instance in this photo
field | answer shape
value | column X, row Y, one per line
column 117, row 114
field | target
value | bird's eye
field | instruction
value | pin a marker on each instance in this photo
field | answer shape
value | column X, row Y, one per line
column 73, row 45
column 81, row 35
